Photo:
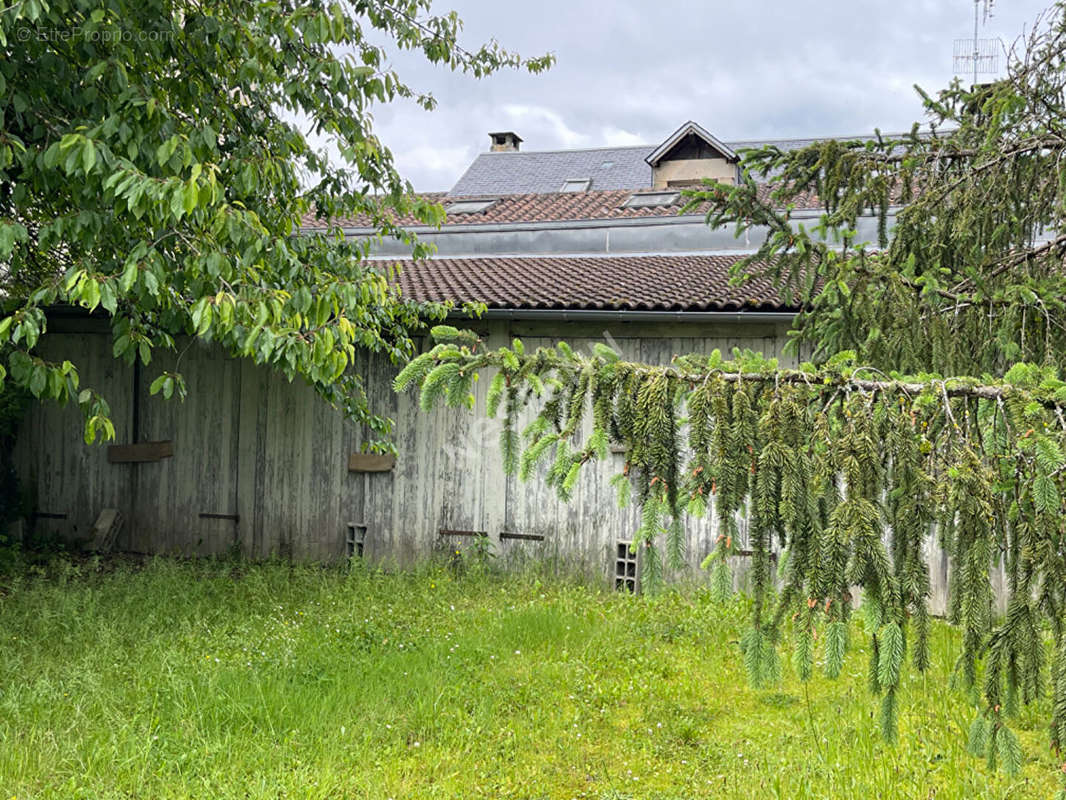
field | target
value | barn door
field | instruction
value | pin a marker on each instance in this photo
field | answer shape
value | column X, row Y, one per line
column 187, row 503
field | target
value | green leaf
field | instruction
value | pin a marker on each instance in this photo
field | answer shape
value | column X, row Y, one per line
column 90, row 294
column 88, row 156
column 107, row 297
column 191, row 196
column 38, row 380
column 128, row 278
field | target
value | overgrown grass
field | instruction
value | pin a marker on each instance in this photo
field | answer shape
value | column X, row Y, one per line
column 210, row 680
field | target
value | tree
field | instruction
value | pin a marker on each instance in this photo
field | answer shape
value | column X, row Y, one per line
column 934, row 402
column 154, row 168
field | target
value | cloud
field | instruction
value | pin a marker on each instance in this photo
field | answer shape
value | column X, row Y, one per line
column 627, row 74
column 616, row 137
column 548, row 123
column 436, row 164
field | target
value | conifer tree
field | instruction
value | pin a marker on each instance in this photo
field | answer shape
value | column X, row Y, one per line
column 934, row 404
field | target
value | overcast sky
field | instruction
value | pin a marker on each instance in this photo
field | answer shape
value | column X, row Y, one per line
column 632, row 71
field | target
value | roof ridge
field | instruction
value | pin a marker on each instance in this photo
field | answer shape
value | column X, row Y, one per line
column 566, row 150
column 871, row 135
column 814, row 138
column 680, row 254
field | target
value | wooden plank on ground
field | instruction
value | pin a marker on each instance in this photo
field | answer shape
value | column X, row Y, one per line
column 140, row 452
column 371, row 462
column 105, row 530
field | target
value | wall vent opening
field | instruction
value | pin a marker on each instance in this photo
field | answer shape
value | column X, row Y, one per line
column 625, row 568
column 356, row 539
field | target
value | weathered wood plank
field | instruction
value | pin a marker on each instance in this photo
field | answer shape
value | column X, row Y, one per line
column 139, row 453
column 202, row 475
column 106, row 530
column 371, row 462
column 53, row 461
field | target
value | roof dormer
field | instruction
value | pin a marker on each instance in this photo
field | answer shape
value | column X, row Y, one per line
column 689, row 155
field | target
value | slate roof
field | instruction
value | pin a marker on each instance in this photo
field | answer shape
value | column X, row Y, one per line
column 545, row 171
column 623, row 283
column 546, row 207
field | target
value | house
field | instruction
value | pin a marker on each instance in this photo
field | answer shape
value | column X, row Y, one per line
column 582, row 245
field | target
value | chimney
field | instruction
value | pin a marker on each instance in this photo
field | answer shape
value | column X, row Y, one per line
column 505, row 142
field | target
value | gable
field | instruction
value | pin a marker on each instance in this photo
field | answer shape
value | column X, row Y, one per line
column 690, row 142
column 692, row 146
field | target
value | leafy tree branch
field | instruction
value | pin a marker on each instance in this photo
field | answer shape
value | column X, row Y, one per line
column 153, row 173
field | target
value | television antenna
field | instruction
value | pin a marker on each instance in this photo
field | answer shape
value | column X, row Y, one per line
column 976, row 55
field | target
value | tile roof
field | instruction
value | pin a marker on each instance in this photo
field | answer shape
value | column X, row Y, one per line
column 623, row 283
column 554, row 207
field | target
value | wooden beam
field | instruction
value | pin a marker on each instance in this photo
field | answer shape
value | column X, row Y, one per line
column 525, row 537
column 140, row 452
column 449, row 532
column 371, row 462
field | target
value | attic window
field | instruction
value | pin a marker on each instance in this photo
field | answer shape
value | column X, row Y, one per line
column 469, row 207
column 576, row 185
column 651, row 199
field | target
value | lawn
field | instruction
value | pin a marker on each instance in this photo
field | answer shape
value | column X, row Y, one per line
column 227, row 680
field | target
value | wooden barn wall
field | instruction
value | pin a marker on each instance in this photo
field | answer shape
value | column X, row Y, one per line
column 260, row 465
column 67, row 481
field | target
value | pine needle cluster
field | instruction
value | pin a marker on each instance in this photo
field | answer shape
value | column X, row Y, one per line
column 847, row 477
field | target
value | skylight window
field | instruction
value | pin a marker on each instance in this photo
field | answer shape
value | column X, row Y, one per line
column 576, row 185
column 469, row 207
column 651, row 199
column 606, row 165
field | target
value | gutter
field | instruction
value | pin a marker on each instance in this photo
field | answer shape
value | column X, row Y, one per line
column 568, row 315
column 800, row 215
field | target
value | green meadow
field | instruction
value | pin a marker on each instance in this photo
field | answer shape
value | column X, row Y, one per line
column 228, row 680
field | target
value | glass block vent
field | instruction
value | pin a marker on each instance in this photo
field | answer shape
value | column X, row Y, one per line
column 356, row 539
column 625, row 568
